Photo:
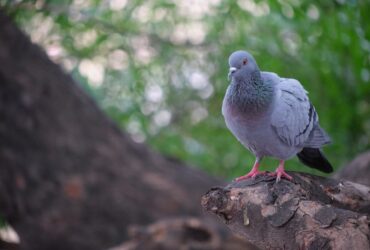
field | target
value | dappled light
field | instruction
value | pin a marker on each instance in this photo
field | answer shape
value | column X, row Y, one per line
column 159, row 68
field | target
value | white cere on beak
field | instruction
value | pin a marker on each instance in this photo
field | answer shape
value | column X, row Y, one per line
column 231, row 71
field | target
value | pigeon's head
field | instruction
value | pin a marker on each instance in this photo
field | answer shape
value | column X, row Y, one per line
column 241, row 64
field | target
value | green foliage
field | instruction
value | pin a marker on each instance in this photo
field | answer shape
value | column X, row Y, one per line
column 159, row 67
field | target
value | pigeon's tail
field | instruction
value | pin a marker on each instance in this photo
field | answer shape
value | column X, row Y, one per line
column 314, row 158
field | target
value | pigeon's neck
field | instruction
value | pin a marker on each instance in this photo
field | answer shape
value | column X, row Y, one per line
column 250, row 93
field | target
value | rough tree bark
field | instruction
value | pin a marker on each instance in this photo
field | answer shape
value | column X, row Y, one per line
column 69, row 178
column 310, row 212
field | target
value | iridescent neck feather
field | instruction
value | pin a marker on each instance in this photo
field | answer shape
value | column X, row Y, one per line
column 250, row 93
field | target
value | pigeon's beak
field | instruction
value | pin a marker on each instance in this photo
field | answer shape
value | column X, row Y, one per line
column 231, row 71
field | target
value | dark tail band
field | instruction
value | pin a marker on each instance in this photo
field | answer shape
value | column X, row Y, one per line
column 314, row 158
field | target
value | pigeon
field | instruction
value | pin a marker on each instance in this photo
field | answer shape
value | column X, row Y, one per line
column 272, row 117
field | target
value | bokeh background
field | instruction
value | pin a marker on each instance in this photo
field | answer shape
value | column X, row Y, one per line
column 159, row 67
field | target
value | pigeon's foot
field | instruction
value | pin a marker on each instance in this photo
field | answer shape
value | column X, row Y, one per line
column 252, row 174
column 280, row 172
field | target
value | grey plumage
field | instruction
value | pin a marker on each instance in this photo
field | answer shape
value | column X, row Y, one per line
column 270, row 115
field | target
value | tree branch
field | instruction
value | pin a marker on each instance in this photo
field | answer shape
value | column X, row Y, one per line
column 310, row 212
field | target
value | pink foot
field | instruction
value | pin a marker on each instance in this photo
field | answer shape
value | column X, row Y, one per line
column 279, row 175
column 280, row 172
column 252, row 174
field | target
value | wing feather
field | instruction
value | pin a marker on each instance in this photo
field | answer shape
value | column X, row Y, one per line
column 294, row 116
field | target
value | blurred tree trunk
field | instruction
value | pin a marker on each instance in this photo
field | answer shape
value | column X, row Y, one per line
column 69, row 178
column 358, row 170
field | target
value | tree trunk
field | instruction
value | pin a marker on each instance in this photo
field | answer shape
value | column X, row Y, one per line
column 309, row 212
column 69, row 178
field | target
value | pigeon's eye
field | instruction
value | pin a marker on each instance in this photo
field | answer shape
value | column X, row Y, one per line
column 245, row 61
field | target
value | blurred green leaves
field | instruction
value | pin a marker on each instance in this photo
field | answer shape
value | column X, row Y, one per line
column 159, row 68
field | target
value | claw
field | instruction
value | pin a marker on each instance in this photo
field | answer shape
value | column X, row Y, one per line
column 280, row 172
column 252, row 174
column 280, row 175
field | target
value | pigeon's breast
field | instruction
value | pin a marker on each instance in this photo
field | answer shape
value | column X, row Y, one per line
column 247, row 128
column 255, row 132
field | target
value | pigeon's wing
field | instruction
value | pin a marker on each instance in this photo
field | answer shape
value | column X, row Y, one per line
column 293, row 117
